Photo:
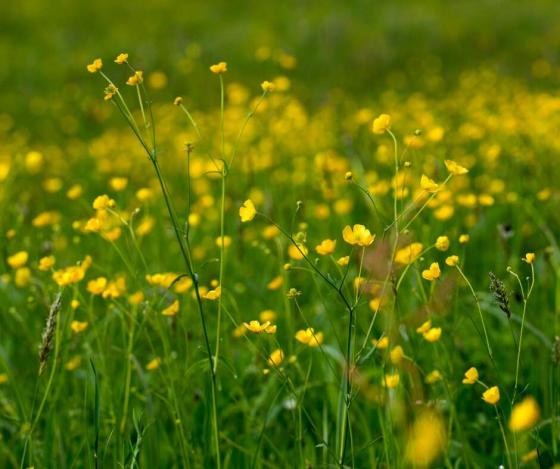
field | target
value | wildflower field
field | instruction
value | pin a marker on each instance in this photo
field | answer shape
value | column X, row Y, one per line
column 288, row 235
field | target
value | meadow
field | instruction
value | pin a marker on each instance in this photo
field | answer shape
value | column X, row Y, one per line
column 292, row 235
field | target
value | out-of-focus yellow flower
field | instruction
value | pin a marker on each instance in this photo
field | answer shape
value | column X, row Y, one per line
column 326, row 247
column 297, row 252
column 17, row 260
column 433, row 334
column 73, row 363
column 529, row 258
column 135, row 79
column 118, row 183
column 3, row 378
column 34, row 161
column 357, row 235
column 433, row 377
column 442, row 243
column 136, row 298
column 452, row 261
column 97, row 286
column 426, row 440
column 74, row 192
column 103, row 202
column 45, row 263
column 524, row 415
column 408, row 254
column 432, row 273
column 491, row 395
column 464, row 238
column 276, row 357
column 121, row 58
column 78, row 326
column 22, row 277
column 391, row 380
column 455, row 168
column 247, row 211
column 74, row 304
column 219, row 68
column 396, row 354
column 471, row 376
column 267, row 86
column 429, row 185
column 343, row 261
column 153, row 364
column 381, row 124
column 425, row 327
column 309, row 337
column 178, row 101
column 110, row 91
column 382, row 343
column 172, row 309
column 275, row 283
column 95, row 66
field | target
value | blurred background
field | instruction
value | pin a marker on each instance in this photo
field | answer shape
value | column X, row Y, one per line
column 359, row 47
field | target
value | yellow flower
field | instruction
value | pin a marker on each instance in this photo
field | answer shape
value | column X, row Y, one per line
column 121, row 58
column 268, row 86
column 258, row 328
column 381, row 124
column 153, row 364
column 110, row 91
column 3, row 378
column 297, row 252
column 213, row 294
column 408, row 254
column 17, row 260
column 464, row 238
column 529, row 258
column 396, row 354
column 219, row 68
column 442, row 243
column 309, row 337
column 433, row 334
column 135, row 79
column 136, row 298
column 326, row 247
column 432, row 273
column 358, row 234
column 73, row 363
column 343, row 261
column 425, row 327
column 74, row 304
column 276, row 357
column 97, row 286
column 178, row 101
column 78, row 326
column 118, row 183
column 471, row 376
column 429, row 185
column 452, row 261
column 275, row 283
column 103, row 202
column 22, row 277
column 391, row 380
column 491, row 395
column 454, row 168
column 524, row 415
column 172, row 309
column 426, row 440
column 382, row 343
column 433, row 377
column 247, row 211
column 95, row 66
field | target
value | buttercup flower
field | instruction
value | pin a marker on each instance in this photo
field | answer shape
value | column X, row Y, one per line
column 452, row 261
column 247, row 211
column 309, row 337
column 433, row 334
column 153, row 364
column 268, row 86
column 442, row 243
column 425, row 327
column 172, row 309
column 408, row 254
column 357, row 235
column 78, row 326
column 471, row 376
column 219, row 68
column 276, row 357
column 529, row 258
column 432, row 273
column 326, row 247
column 381, row 124
column 95, row 66
column 491, row 395
column 429, row 185
column 454, row 168
column 524, row 415
column 121, row 58
column 258, row 328
column 135, row 79
column 391, row 380
column 17, row 260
